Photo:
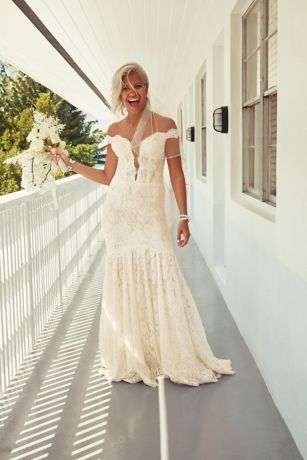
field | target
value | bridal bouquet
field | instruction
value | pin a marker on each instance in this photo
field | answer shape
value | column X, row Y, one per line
column 36, row 163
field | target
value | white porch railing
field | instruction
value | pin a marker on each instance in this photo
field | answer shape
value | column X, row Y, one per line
column 42, row 252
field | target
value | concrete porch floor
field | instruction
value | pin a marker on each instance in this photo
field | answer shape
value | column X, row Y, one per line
column 60, row 408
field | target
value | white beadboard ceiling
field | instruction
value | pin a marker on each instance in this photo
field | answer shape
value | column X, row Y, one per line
column 164, row 36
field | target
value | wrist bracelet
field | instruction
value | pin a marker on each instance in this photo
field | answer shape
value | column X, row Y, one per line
column 184, row 217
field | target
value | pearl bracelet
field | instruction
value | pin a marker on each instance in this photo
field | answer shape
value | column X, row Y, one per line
column 184, row 217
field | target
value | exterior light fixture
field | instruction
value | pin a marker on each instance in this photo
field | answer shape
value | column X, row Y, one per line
column 190, row 134
column 220, row 119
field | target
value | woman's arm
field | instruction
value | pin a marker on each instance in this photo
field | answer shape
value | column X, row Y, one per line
column 178, row 183
column 102, row 176
column 172, row 153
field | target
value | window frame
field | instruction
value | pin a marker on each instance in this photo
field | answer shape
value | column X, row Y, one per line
column 263, row 99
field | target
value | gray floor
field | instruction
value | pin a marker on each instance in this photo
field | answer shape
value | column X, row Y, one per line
column 60, row 408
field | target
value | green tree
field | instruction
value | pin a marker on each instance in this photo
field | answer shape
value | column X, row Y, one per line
column 45, row 104
column 84, row 153
column 10, row 176
column 20, row 95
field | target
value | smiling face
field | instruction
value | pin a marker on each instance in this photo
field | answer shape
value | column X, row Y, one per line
column 134, row 93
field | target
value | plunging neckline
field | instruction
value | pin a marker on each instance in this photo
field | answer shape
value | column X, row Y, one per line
column 141, row 142
column 136, row 157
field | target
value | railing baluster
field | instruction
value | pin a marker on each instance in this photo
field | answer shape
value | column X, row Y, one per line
column 38, row 247
column 2, row 307
column 29, row 272
column 58, row 236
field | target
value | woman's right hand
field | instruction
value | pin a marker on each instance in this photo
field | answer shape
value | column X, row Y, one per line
column 56, row 155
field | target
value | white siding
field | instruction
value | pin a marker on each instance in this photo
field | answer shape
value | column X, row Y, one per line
column 265, row 278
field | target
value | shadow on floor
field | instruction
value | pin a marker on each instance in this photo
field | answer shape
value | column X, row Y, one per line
column 61, row 408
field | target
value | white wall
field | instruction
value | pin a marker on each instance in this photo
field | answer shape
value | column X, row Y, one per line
column 264, row 277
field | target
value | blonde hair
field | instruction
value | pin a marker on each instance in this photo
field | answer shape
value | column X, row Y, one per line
column 131, row 67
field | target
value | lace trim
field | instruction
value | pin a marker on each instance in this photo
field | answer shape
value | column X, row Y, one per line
column 150, row 324
column 171, row 133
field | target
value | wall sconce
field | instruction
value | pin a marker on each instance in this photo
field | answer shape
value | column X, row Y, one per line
column 190, row 134
column 220, row 119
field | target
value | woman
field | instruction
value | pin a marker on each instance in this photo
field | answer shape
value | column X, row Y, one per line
column 150, row 325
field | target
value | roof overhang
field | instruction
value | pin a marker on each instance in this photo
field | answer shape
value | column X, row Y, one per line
column 73, row 47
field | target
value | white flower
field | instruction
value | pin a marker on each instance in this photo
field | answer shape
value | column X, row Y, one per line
column 37, row 145
column 12, row 160
column 32, row 135
column 36, row 164
column 25, row 156
column 43, row 132
column 61, row 147
column 55, row 139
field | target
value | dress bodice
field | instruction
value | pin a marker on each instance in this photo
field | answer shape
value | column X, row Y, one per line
column 151, row 158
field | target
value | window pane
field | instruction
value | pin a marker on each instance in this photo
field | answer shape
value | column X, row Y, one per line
column 252, row 76
column 273, row 118
column 252, row 30
column 272, row 16
column 203, row 152
column 254, row 126
column 272, row 143
column 254, row 170
column 272, row 171
column 272, row 61
column 252, row 144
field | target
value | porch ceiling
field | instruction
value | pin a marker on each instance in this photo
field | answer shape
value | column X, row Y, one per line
column 164, row 36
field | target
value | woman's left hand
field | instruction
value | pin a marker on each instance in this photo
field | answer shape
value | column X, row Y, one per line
column 183, row 233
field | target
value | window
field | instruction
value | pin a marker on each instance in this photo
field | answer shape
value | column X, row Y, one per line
column 260, row 100
column 203, row 126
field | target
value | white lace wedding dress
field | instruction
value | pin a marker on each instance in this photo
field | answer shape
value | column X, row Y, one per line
column 150, row 324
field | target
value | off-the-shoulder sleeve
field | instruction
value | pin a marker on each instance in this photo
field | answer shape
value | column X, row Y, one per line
column 172, row 146
column 172, row 133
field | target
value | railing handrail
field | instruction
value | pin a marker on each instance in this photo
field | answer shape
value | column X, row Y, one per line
column 21, row 196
